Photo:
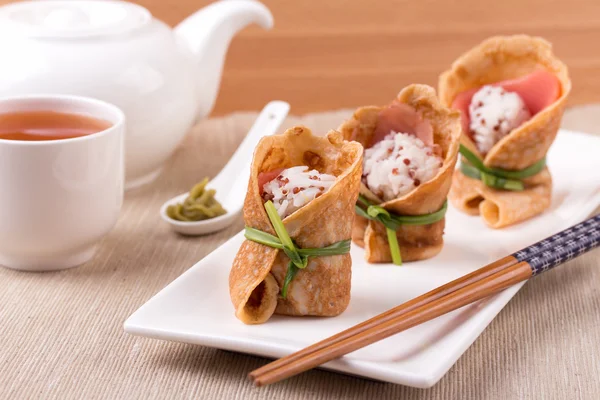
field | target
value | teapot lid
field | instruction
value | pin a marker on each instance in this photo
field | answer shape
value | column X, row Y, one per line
column 70, row 19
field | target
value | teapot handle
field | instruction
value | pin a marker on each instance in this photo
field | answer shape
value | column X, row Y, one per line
column 208, row 33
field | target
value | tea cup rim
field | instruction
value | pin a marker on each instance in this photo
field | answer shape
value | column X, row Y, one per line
column 119, row 116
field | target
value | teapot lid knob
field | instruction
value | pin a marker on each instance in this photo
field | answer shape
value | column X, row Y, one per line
column 67, row 19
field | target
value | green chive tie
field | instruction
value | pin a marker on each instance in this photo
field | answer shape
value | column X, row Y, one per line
column 298, row 257
column 393, row 222
column 497, row 178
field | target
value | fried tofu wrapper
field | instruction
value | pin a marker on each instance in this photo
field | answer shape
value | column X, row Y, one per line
column 258, row 271
column 508, row 59
column 416, row 242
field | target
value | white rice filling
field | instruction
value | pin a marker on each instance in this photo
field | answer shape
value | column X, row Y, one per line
column 494, row 113
column 296, row 187
column 398, row 164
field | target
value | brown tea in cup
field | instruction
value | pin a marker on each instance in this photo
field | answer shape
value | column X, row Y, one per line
column 48, row 125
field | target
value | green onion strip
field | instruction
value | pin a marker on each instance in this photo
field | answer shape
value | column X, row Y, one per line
column 497, row 178
column 298, row 257
column 393, row 222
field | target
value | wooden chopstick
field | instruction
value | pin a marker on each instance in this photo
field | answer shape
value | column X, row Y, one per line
column 410, row 305
column 484, row 282
column 395, row 312
column 459, row 298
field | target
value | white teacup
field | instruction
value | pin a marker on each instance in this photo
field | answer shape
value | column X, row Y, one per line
column 58, row 198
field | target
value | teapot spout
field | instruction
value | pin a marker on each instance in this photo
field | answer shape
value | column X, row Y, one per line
column 208, row 33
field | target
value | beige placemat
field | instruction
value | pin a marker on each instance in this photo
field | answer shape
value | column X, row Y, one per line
column 61, row 333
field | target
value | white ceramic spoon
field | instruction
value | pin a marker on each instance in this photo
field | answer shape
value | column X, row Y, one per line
column 231, row 183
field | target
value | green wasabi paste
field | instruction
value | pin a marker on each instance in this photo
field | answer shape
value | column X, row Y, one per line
column 199, row 205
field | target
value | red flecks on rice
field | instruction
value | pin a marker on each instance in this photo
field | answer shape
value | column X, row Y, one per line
column 494, row 112
column 295, row 187
column 398, row 164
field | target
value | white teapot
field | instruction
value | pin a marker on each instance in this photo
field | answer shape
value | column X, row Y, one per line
column 163, row 79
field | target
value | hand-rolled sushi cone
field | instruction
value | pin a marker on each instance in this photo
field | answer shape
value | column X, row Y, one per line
column 527, row 66
column 416, row 242
column 258, row 271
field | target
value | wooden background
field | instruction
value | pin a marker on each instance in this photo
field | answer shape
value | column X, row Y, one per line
column 329, row 54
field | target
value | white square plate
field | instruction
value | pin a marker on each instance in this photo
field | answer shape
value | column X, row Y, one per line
column 195, row 308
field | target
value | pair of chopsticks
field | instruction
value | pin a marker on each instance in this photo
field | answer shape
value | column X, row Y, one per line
column 491, row 279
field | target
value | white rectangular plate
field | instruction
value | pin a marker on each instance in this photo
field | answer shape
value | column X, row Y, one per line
column 196, row 309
